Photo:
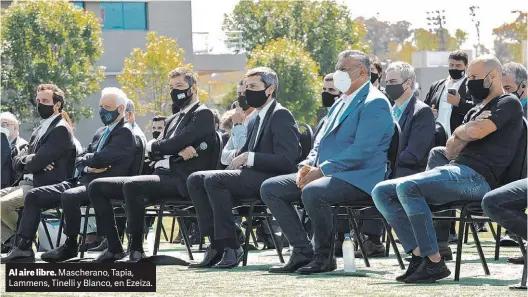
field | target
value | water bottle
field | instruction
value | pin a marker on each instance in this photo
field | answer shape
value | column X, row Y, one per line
column 348, row 254
column 151, row 236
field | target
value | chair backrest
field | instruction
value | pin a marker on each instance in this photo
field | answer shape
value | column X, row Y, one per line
column 307, row 140
column 394, row 151
column 517, row 169
column 440, row 138
column 139, row 157
column 217, row 151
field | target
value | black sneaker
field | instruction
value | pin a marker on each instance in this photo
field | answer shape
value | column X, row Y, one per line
column 415, row 263
column 428, row 272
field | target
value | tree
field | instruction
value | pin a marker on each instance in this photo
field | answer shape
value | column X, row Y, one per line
column 324, row 28
column 460, row 36
column 299, row 82
column 145, row 74
column 49, row 42
column 509, row 37
column 377, row 35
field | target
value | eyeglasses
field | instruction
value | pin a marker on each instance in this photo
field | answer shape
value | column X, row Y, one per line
column 6, row 124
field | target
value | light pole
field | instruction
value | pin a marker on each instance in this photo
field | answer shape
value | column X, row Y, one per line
column 436, row 20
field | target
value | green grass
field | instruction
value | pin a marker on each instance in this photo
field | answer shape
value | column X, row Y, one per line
column 378, row 280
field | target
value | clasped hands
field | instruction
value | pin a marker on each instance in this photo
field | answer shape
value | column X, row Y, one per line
column 306, row 175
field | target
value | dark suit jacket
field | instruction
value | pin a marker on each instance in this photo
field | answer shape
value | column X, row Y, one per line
column 118, row 151
column 196, row 126
column 56, row 145
column 277, row 147
column 6, row 161
column 418, row 131
column 458, row 112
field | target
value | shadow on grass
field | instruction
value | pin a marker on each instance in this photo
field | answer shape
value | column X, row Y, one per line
column 465, row 282
column 263, row 268
column 341, row 273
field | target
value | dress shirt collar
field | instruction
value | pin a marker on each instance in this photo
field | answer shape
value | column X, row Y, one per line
column 397, row 111
column 351, row 97
column 264, row 110
column 523, row 102
column 455, row 83
column 189, row 106
column 44, row 124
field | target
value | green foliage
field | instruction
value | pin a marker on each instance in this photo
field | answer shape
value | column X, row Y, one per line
column 509, row 37
column 299, row 82
column 323, row 28
column 49, row 42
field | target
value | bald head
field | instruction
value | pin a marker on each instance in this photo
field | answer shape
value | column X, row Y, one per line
column 489, row 69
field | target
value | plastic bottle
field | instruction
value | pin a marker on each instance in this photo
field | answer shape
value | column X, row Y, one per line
column 348, row 254
column 151, row 236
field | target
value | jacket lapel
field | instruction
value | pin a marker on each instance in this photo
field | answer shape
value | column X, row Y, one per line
column 266, row 122
column 360, row 97
column 50, row 127
column 186, row 118
column 107, row 140
column 408, row 112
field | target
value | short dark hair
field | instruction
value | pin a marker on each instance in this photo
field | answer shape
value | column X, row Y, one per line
column 329, row 77
column 58, row 94
column 377, row 64
column 159, row 118
column 459, row 55
column 188, row 75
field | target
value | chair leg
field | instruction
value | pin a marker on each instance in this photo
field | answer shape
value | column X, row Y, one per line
column 479, row 249
column 172, row 229
column 466, row 230
column 335, row 211
column 461, row 229
column 200, row 247
column 360, row 242
column 492, row 229
column 523, row 251
column 249, row 228
column 48, row 236
column 164, row 233
column 275, row 241
column 183, row 230
column 497, row 242
column 393, row 243
column 254, row 238
column 157, row 238
column 85, row 229
column 61, row 224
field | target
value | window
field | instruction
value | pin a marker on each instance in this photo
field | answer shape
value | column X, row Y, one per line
column 124, row 15
column 78, row 3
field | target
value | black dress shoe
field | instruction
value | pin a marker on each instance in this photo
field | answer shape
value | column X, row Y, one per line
column 101, row 247
column 453, row 239
column 17, row 255
column 133, row 257
column 506, row 240
column 231, row 258
column 319, row 264
column 297, row 260
column 516, row 260
column 372, row 249
column 415, row 263
column 211, row 257
column 428, row 272
column 109, row 257
column 60, row 254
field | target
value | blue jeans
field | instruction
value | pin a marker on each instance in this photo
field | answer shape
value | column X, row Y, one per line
column 506, row 206
column 405, row 201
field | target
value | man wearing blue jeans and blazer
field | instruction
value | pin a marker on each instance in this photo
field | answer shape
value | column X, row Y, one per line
column 480, row 150
column 346, row 162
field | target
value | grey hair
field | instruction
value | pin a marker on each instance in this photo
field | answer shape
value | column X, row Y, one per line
column 9, row 117
column 130, row 107
column 518, row 71
column 267, row 75
column 406, row 72
column 121, row 96
column 356, row 56
column 490, row 63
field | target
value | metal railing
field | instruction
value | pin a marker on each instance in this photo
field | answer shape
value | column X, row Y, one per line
column 217, row 43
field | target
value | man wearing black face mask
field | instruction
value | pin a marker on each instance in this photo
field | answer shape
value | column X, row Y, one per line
column 329, row 95
column 476, row 155
column 50, row 143
column 515, row 80
column 184, row 131
column 111, row 153
column 272, row 148
column 158, row 124
column 450, row 109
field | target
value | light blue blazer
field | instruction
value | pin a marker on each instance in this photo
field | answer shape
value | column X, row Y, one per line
column 355, row 150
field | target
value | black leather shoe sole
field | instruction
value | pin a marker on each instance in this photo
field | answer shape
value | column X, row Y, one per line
column 18, row 260
column 292, row 269
column 230, row 265
column 331, row 267
column 431, row 278
column 115, row 257
column 209, row 264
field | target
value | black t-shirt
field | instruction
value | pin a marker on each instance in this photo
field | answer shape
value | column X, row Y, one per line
column 491, row 155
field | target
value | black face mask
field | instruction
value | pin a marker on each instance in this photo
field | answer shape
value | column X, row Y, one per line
column 256, row 98
column 328, row 99
column 180, row 98
column 175, row 109
column 395, row 91
column 456, row 74
column 517, row 94
column 44, row 111
column 477, row 90
column 156, row 134
column 374, row 77
column 243, row 103
column 108, row 116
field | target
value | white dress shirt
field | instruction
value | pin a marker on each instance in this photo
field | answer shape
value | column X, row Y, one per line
column 165, row 162
column 347, row 100
column 262, row 115
column 44, row 125
column 445, row 109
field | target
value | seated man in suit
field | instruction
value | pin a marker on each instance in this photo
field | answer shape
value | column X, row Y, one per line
column 417, row 126
column 272, row 148
column 480, row 150
column 10, row 127
column 111, row 153
column 49, row 159
column 344, row 165
column 177, row 157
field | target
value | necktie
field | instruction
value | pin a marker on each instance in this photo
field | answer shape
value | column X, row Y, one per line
column 174, row 125
column 103, row 139
column 253, row 136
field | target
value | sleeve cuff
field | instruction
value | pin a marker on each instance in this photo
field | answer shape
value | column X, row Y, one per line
column 251, row 159
column 85, row 169
column 149, row 145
